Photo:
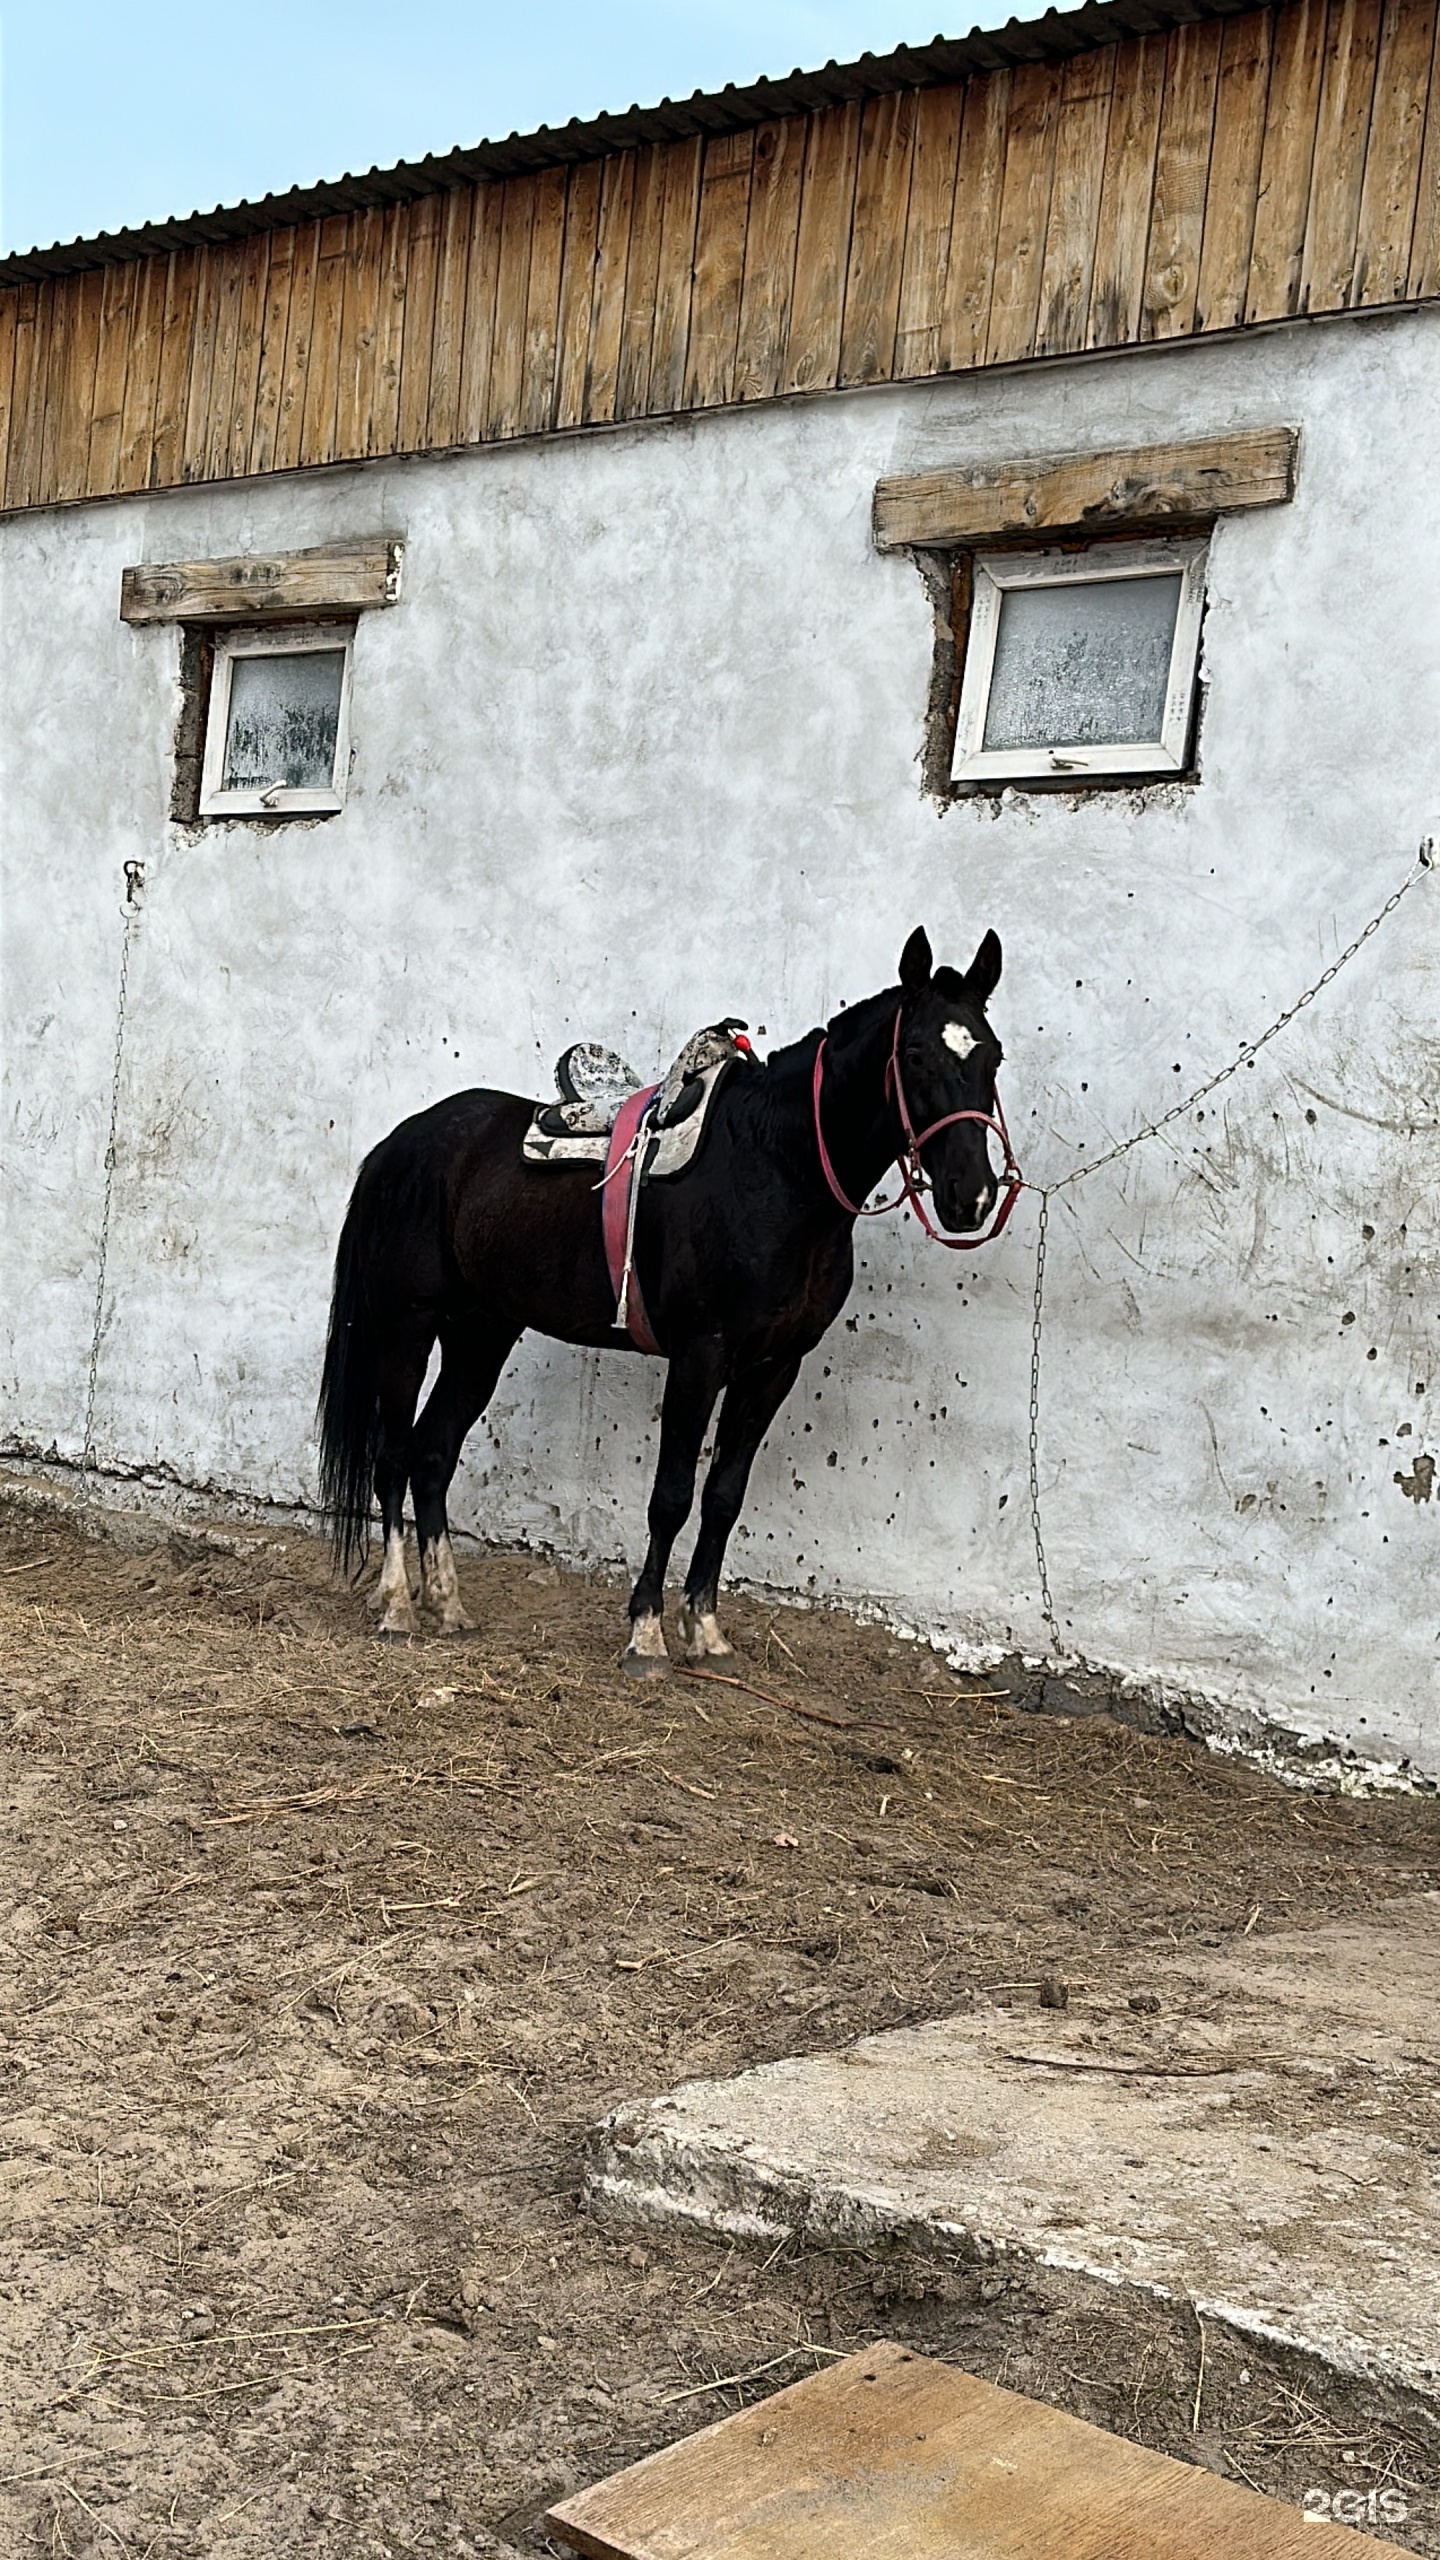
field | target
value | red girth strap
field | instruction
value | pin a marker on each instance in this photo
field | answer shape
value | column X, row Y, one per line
column 615, row 1189
column 908, row 1163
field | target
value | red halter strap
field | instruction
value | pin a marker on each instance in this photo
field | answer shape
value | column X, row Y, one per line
column 908, row 1161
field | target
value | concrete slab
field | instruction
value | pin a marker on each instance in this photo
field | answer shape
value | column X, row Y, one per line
column 1266, row 2144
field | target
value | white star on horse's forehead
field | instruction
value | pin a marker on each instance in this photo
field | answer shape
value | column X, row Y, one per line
column 956, row 1036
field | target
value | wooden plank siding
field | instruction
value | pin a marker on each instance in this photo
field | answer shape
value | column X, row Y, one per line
column 1230, row 174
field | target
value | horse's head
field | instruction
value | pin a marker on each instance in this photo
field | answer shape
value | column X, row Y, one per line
column 949, row 1058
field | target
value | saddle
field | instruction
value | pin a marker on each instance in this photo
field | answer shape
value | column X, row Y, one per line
column 638, row 1133
column 594, row 1085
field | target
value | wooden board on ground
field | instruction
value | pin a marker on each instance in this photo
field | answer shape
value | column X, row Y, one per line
column 890, row 2452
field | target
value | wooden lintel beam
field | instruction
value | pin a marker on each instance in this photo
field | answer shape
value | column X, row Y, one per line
column 338, row 577
column 1085, row 492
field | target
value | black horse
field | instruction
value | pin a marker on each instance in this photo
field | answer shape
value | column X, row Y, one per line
column 743, row 1261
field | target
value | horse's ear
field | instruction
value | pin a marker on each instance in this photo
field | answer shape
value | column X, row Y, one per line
column 916, row 962
column 983, row 975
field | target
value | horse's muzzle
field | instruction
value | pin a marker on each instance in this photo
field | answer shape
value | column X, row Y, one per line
column 962, row 1210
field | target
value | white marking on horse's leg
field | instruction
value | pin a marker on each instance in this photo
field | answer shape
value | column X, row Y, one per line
column 442, row 1587
column 645, row 1656
column 701, row 1635
column 397, row 1614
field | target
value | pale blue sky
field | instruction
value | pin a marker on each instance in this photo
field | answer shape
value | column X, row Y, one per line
column 122, row 111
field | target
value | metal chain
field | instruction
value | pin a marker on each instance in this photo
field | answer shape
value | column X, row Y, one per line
column 1036, row 1323
column 1045, row 1192
column 87, row 1451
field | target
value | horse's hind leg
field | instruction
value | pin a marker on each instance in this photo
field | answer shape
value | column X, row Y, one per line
column 470, row 1364
column 750, row 1407
column 402, row 1375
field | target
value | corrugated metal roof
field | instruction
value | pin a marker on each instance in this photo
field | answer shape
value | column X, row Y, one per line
column 1052, row 38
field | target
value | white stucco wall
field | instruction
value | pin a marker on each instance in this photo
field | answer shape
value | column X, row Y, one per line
column 639, row 747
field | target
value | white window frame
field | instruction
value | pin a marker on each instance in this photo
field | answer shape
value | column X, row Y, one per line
column 277, row 802
column 998, row 571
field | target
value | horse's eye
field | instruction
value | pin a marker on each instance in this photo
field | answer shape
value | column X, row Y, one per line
column 956, row 1037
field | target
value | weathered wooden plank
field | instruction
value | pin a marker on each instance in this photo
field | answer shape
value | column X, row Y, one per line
column 877, row 239
column 24, row 415
column 979, row 181
column 339, row 577
column 173, row 382
column 195, row 431
column 1117, row 286
column 577, row 292
column 1024, row 212
column 1082, row 122
column 1234, row 182
column 1182, row 172
column 48, row 308
column 225, row 325
column 512, row 296
column 542, row 301
column 1347, row 85
column 358, row 320
column 255, row 270
column 50, row 346
column 447, row 346
column 274, row 330
column 73, row 394
column 890, row 2451
column 1286, row 161
column 142, row 371
column 322, row 384
column 927, row 230
column 719, row 270
column 9, row 305
column 612, row 259
column 632, row 373
column 290, row 423
column 107, row 412
column 1424, row 274
column 822, row 249
column 674, row 276
column 390, row 330
column 419, row 336
column 770, row 244
column 482, row 280
column 1072, row 492
column 1393, row 154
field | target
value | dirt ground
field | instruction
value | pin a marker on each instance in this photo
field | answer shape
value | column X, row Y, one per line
column 320, row 1958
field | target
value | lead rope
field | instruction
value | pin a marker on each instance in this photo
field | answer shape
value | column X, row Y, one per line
column 134, row 887
column 1045, row 1192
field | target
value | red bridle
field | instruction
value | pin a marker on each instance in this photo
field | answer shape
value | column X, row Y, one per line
column 911, row 1170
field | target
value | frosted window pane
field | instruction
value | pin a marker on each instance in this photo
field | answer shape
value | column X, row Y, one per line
column 1083, row 666
column 284, row 715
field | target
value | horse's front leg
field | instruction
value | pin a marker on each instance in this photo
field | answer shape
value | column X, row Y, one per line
column 695, row 1379
column 750, row 1407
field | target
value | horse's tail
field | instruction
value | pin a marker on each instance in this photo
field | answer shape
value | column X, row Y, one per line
column 348, row 1412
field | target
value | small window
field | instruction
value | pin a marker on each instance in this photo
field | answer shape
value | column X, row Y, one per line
column 1081, row 663
column 277, row 740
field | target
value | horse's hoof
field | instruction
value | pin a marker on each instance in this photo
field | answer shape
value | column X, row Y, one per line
column 394, row 1635
column 700, row 1634
column 645, row 1666
column 458, row 1630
